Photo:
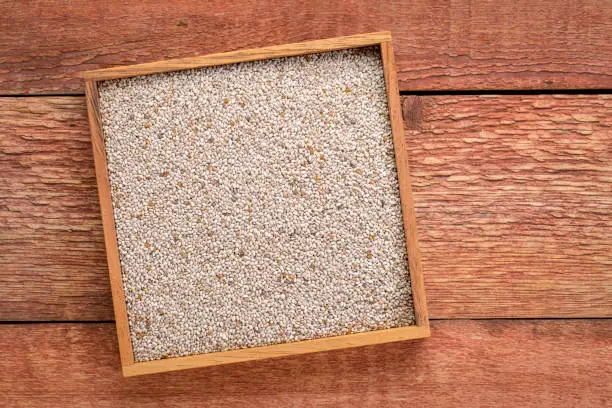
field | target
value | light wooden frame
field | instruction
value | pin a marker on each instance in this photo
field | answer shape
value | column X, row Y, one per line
column 419, row 330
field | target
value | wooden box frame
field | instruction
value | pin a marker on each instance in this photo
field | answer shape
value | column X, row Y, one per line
column 421, row 327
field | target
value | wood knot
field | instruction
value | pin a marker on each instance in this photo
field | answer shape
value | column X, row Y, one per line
column 412, row 111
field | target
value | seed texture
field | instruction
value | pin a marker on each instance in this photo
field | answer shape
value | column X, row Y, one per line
column 256, row 203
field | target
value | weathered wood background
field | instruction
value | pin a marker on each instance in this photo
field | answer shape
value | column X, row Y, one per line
column 513, row 195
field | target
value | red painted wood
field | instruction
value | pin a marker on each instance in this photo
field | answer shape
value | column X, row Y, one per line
column 439, row 45
column 513, row 201
column 554, row 363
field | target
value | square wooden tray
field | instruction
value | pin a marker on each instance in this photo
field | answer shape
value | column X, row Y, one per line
column 419, row 330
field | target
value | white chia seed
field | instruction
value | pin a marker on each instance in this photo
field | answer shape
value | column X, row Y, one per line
column 256, row 203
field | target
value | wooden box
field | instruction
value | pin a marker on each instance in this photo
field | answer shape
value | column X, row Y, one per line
column 419, row 330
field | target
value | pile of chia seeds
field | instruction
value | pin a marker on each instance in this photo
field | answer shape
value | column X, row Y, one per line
column 256, row 203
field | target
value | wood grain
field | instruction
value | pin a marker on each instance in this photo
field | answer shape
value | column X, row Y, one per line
column 51, row 241
column 513, row 198
column 232, row 57
column 108, row 223
column 474, row 363
column 439, row 45
column 405, row 185
column 277, row 350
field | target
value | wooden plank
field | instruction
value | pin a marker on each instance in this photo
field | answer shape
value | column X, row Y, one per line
column 108, row 224
column 278, row 350
column 405, row 185
column 543, row 44
column 514, row 203
column 529, row 363
column 512, row 194
column 232, row 57
column 51, row 242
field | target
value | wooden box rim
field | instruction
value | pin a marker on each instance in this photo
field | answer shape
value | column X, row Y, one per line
column 421, row 327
